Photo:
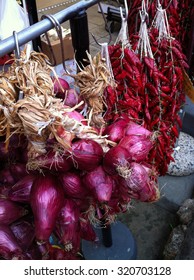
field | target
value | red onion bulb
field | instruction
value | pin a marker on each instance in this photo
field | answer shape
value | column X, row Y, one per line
column 46, row 200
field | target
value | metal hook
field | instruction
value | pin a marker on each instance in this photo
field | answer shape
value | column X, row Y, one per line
column 143, row 13
column 17, row 55
column 106, row 27
column 124, row 16
column 17, row 48
column 58, row 28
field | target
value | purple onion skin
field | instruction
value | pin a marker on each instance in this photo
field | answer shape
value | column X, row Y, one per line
column 10, row 211
column 116, row 130
column 116, row 156
column 53, row 162
column 86, row 230
column 72, row 185
column 67, row 225
column 87, row 154
column 6, row 177
column 71, row 97
column 34, row 253
column 18, row 170
column 99, row 183
column 20, row 192
column 138, row 178
column 136, row 129
column 9, row 247
column 46, row 200
column 24, row 233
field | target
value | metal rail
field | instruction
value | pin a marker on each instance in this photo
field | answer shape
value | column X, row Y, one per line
column 35, row 30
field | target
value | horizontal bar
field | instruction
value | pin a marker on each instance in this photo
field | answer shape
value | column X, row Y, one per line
column 26, row 35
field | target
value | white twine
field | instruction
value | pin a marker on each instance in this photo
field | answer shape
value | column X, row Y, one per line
column 160, row 22
column 144, row 47
column 105, row 55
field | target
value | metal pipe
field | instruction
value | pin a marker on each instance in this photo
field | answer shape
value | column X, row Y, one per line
column 35, row 30
column 79, row 25
column 33, row 18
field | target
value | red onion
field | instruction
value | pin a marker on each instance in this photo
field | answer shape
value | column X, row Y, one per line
column 52, row 161
column 56, row 253
column 4, row 191
column 116, row 130
column 139, row 184
column 99, row 183
column 24, row 232
column 65, row 135
column 67, row 226
column 21, row 190
column 77, row 116
column 6, row 177
column 137, row 146
column 72, row 185
column 86, row 230
column 150, row 193
column 116, row 159
column 71, row 97
column 60, row 86
column 87, row 154
column 138, row 177
column 33, row 252
column 46, row 200
column 10, row 211
column 18, row 170
column 136, row 129
column 9, row 248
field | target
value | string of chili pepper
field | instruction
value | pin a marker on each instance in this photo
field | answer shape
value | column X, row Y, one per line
column 179, row 12
column 170, row 62
column 151, row 91
column 126, row 98
column 163, row 96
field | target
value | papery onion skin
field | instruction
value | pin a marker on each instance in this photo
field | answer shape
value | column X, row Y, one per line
column 67, row 226
column 52, row 161
column 136, row 129
column 71, row 97
column 18, row 170
column 24, row 232
column 116, row 130
column 86, row 154
column 72, row 185
column 139, row 184
column 86, row 230
column 77, row 116
column 46, row 200
column 33, row 252
column 6, row 177
column 99, row 183
column 137, row 146
column 4, row 190
column 115, row 158
column 10, row 211
column 9, row 248
column 60, row 86
column 20, row 192
column 138, row 177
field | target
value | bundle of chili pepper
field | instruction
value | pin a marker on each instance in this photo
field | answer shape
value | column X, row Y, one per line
column 179, row 12
column 150, row 84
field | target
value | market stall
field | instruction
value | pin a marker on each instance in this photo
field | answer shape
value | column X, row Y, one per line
column 74, row 156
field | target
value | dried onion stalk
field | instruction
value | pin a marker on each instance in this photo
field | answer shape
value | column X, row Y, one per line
column 92, row 81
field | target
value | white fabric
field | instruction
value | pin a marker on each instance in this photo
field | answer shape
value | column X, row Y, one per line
column 12, row 18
